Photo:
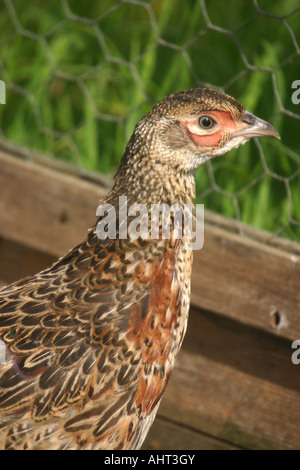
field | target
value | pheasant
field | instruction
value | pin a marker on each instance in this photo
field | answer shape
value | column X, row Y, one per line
column 90, row 343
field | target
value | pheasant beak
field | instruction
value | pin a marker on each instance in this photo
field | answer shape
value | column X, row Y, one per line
column 251, row 126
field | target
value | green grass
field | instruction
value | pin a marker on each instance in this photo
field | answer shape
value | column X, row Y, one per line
column 76, row 87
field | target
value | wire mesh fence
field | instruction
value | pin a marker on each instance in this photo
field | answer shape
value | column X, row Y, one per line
column 77, row 77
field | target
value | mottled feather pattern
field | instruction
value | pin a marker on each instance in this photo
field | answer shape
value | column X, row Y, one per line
column 77, row 334
column 90, row 342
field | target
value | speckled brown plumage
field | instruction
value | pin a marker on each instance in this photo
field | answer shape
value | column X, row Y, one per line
column 91, row 341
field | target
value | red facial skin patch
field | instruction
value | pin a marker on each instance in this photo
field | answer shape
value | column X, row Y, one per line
column 224, row 124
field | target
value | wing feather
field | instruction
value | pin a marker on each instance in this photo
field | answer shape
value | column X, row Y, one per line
column 86, row 343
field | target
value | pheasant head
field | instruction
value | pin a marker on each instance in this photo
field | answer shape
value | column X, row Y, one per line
column 180, row 133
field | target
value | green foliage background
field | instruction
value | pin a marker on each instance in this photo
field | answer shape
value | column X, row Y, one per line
column 79, row 75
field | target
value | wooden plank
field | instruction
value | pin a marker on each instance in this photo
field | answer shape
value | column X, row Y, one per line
column 235, row 383
column 166, row 435
column 249, row 281
column 240, row 277
column 18, row 261
column 43, row 208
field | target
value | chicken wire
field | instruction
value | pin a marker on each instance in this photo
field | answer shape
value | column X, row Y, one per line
column 77, row 77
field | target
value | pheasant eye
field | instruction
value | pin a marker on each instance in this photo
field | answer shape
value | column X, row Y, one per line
column 206, row 122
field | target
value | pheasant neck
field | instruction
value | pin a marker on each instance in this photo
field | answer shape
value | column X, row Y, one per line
column 161, row 186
